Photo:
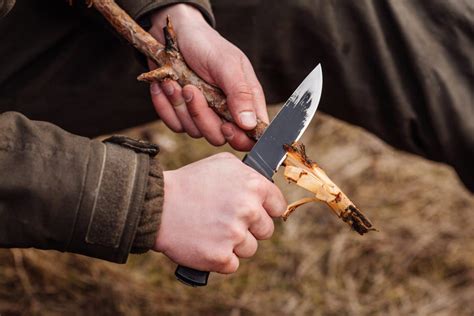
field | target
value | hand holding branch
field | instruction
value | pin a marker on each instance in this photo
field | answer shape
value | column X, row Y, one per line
column 245, row 104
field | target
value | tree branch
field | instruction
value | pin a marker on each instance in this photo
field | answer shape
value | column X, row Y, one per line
column 168, row 57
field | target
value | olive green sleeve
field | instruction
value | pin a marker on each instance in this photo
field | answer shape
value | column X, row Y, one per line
column 151, row 217
column 69, row 193
column 139, row 8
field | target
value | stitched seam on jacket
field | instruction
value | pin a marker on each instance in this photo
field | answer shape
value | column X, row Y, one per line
column 97, row 189
column 114, row 194
column 81, row 195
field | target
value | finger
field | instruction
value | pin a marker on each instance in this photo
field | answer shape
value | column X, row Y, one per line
column 206, row 120
column 164, row 109
column 236, row 137
column 174, row 93
column 262, row 228
column 241, row 91
column 274, row 203
column 259, row 96
column 247, row 248
column 230, row 266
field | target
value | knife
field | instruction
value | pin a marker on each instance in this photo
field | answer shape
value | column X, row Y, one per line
column 268, row 153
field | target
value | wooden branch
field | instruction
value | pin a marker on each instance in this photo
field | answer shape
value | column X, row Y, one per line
column 308, row 175
column 168, row 57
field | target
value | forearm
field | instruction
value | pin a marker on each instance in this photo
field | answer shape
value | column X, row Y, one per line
column 68, row 193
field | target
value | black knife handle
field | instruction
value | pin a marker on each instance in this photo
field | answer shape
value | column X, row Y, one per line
column 191, row 277
column 196, row 278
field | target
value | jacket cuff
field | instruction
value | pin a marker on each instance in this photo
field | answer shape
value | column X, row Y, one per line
column 112, row 202
column 138, row 9
column 151, row 216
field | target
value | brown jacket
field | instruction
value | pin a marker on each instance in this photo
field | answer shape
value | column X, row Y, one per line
column 70, row 193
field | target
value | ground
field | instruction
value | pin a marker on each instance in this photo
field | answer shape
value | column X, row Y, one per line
column 421, row 262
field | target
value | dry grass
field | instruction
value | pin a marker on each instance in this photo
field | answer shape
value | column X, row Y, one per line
column 420, row 263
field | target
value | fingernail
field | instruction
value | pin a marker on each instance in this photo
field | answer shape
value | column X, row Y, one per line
column 155, row 88
column 168, row 88
column 228, row 132
column 187, row 95
column 248, row 119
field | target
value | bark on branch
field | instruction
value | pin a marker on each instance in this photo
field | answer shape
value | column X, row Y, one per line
column 168, row 58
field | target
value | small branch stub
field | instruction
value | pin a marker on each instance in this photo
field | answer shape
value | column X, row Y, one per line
column 308, row 175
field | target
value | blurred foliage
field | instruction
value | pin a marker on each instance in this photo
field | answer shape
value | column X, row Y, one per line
column 421, row 262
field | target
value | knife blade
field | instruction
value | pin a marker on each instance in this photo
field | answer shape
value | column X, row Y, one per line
column 287, row 126
column 268, row 153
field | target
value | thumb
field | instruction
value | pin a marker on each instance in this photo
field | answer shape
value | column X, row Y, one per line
column 245, row 98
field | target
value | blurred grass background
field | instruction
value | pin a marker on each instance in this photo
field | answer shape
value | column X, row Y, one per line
column 421, row 262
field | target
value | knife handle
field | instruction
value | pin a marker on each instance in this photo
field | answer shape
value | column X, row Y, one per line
column 196, row 278
column 191, row 277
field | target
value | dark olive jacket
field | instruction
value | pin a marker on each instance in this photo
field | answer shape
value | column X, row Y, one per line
column 70, row 193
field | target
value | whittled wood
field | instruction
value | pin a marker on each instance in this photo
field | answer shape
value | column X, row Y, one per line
column 308, row 175
column 168, row 58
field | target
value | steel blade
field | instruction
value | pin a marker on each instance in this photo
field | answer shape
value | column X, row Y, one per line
column 287, row 126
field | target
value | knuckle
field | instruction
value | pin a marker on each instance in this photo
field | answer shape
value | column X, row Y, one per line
column 242, row 92
column 177, row 129
column 267, row 230
column 230, row 266
column 221, row 261
column 195, row 135
column 237, row 235
column 254, row 250
column 217, row 142
column 253, row 215
column 256, row 184
column 194, row 112
column 227, row 259
column 281, row 208
column 215, row 259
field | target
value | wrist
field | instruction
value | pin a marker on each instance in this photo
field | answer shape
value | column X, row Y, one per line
column 181, row 15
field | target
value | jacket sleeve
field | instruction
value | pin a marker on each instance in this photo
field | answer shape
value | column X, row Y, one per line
column 139, row 8
column 69, row 193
